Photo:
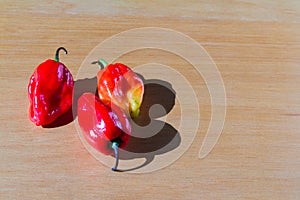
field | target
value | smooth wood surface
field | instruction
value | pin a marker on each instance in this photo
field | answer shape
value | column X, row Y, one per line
column 256, row 46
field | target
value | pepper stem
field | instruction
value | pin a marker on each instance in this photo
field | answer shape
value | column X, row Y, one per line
column 102, row 63
column 56, row 58
column 115, row 146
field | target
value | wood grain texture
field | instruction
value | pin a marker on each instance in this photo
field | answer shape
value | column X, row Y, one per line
column 256, row 46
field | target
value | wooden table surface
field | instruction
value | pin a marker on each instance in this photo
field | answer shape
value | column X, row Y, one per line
column 256, row 47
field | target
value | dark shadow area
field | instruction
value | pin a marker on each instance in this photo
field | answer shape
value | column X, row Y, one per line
column 155, row 142
column 162, row 142
column 156, row 92
column 80, row 86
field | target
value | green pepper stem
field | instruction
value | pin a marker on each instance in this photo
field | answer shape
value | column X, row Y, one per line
column 56, row 58
column 102, row 63
column 115, row 147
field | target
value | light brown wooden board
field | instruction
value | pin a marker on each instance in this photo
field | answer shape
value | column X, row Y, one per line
column 256, row 46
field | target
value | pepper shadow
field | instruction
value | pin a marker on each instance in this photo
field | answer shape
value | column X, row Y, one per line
column 152, row 137
column 80, row 86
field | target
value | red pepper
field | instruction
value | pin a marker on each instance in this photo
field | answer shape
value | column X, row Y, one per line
column 105, row 126
column 119, row 84
column 50, row 91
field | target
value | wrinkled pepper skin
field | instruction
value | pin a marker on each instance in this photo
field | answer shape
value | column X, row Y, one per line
column 119, row 84
column 102, row 123
column 50, row 91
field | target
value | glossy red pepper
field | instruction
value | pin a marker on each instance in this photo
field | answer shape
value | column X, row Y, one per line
column 50, row 91
column 105, row 126
column 119, row 84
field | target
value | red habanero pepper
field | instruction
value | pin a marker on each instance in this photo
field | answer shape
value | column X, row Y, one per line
column 50, row 91
column 119, row 84
column 105, row 126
